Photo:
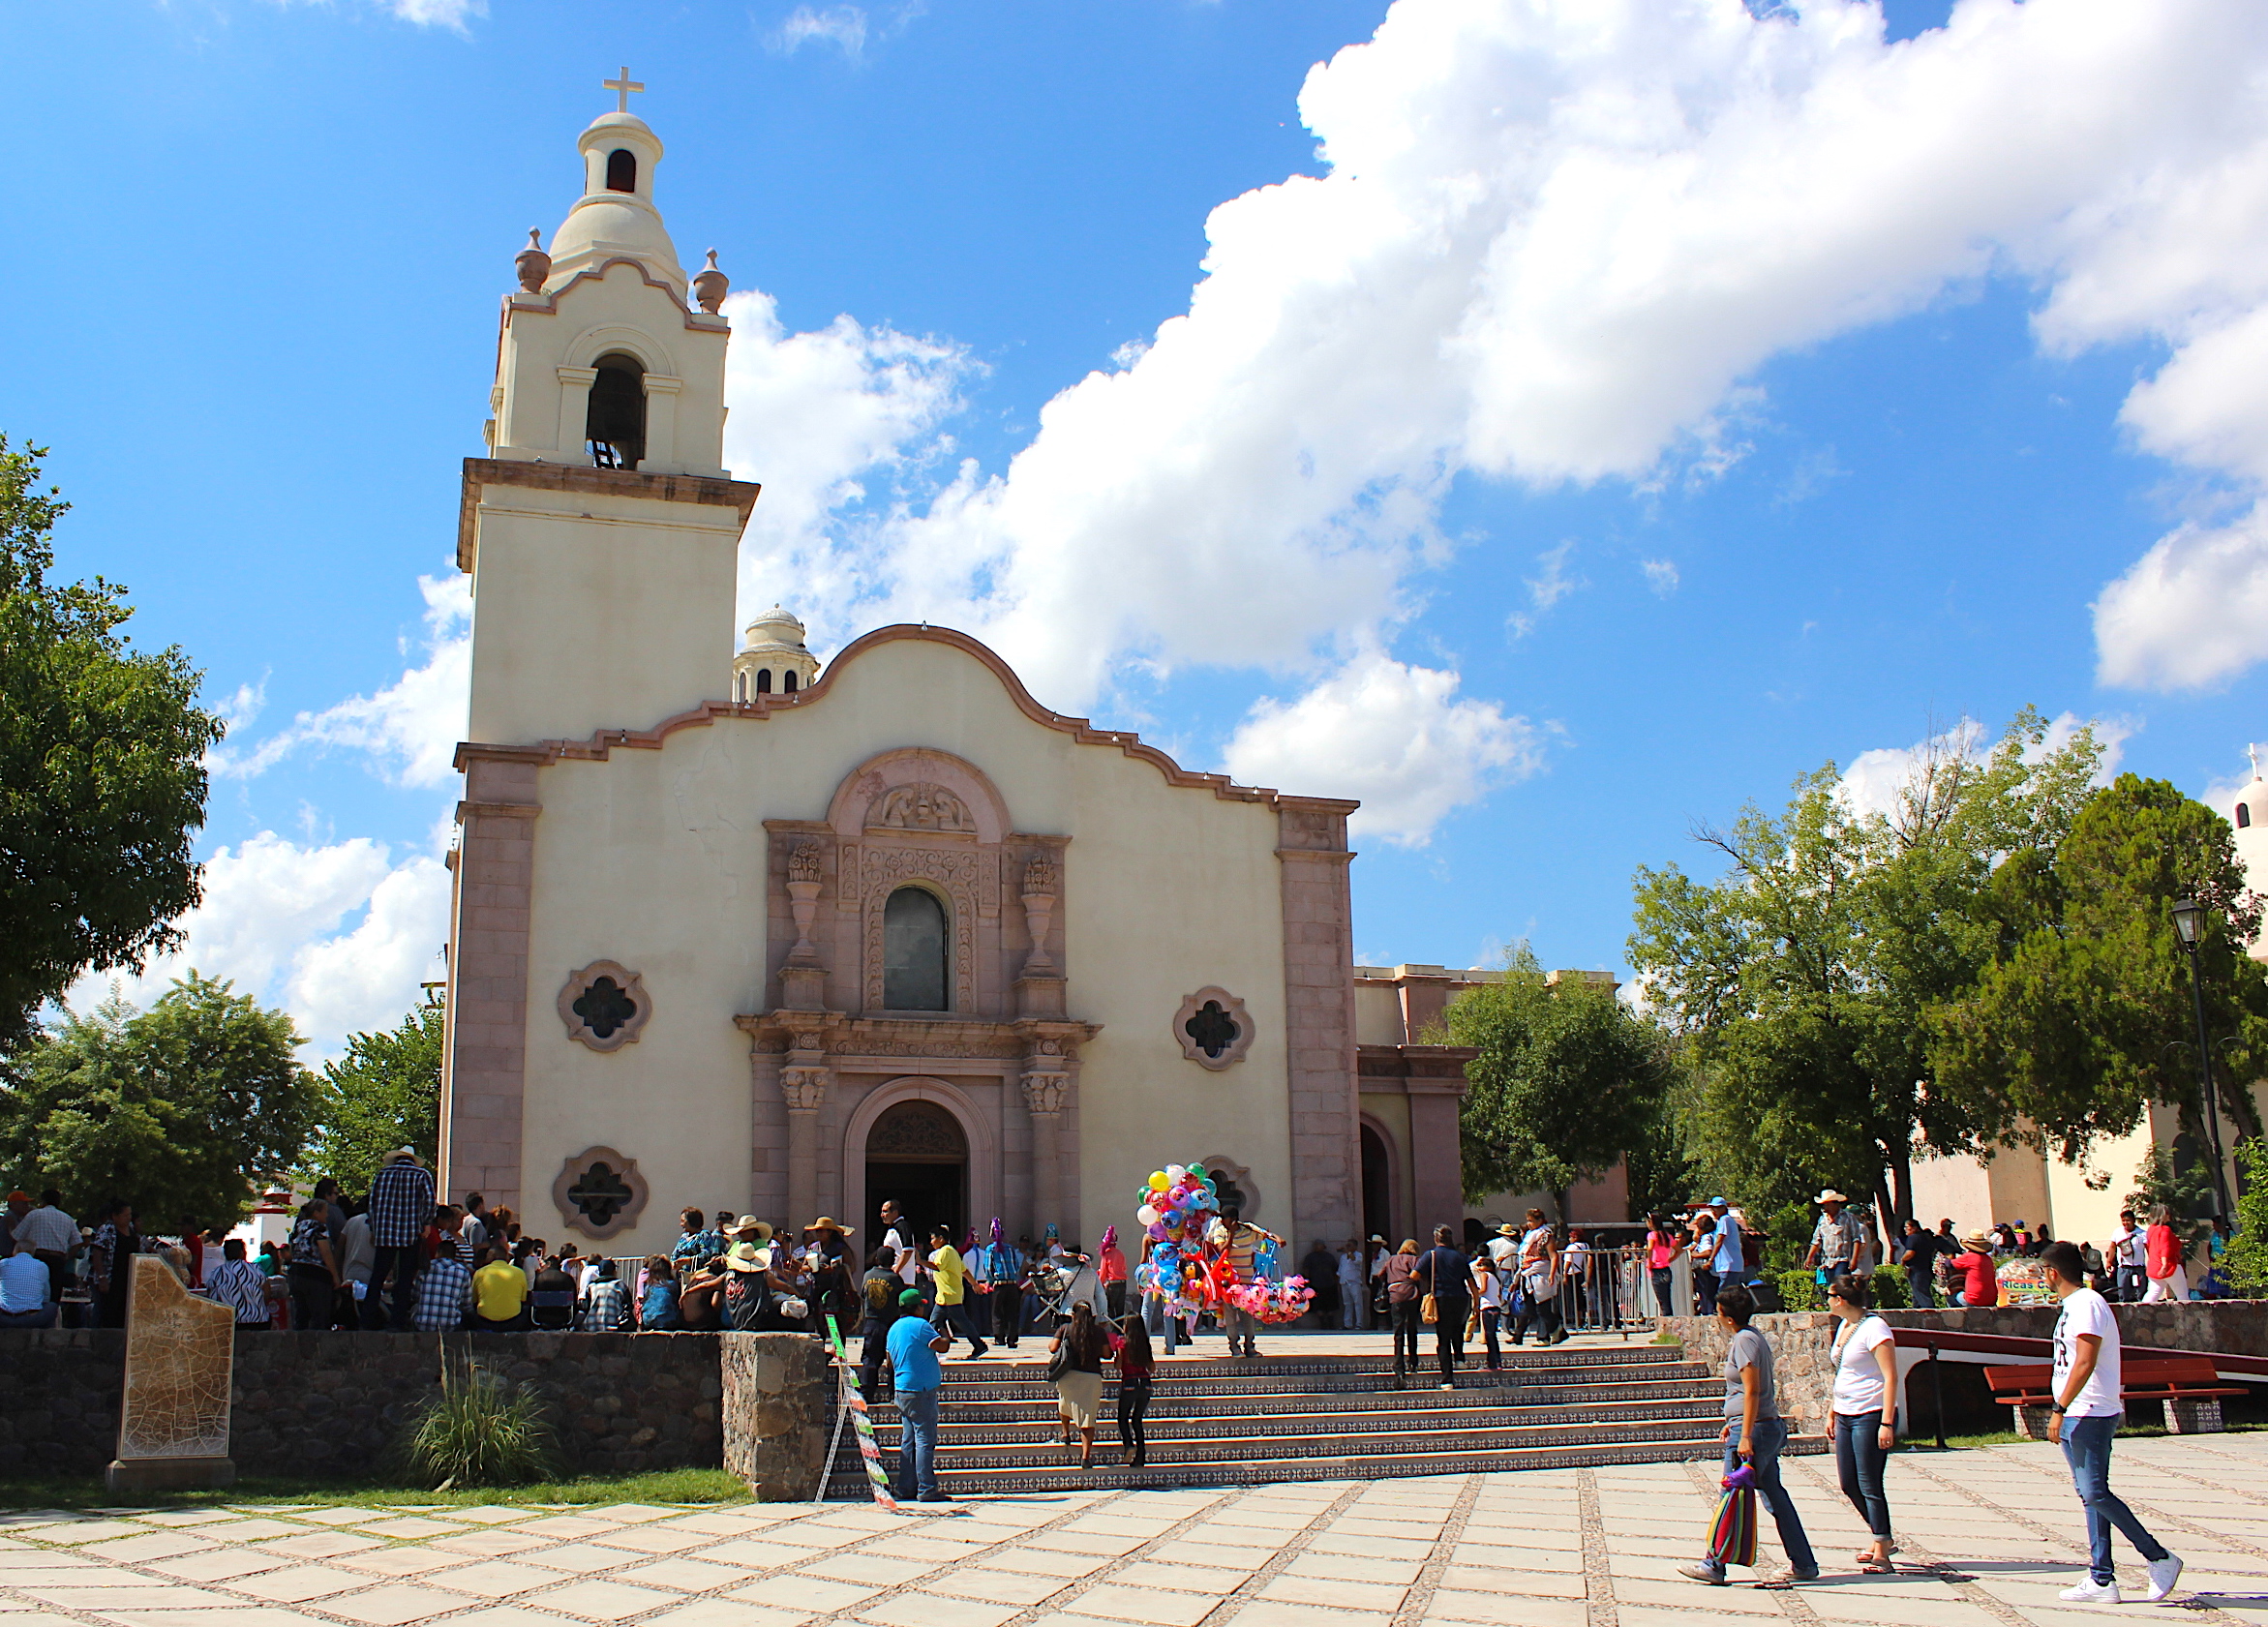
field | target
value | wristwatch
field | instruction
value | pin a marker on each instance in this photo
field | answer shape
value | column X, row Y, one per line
column 2058, row 1408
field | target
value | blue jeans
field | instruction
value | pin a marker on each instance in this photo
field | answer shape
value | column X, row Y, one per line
column 2086, row 1447
column 1923, row 1290
column 1771, row 1435
column 1859, row 1463
column 2132, row 1281
column 916, row 1444
column 1160, row 1322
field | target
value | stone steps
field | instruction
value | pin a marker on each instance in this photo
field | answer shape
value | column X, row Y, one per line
column 1238, row 1422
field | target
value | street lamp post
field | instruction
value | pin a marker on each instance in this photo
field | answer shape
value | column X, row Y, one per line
column 2188, row 919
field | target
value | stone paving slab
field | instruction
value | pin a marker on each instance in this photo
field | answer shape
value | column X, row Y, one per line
column 1989, row 1538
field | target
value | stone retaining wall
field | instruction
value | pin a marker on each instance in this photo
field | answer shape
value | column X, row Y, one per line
column 1802, row 1343
column 331, row 1404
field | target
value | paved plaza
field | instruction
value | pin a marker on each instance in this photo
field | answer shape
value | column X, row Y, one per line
column 1991, row 1535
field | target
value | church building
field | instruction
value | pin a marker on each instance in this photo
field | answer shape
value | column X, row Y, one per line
column 737, row 931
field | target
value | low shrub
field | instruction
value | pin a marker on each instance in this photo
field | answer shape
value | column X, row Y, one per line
column 477, row 1431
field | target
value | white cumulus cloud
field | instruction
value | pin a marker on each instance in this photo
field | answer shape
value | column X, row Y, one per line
column 1398, row 736
column 410, row 729
column 274, row 921
column 1873, row 779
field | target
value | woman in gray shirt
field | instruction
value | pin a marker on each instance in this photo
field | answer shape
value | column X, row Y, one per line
column 1754, row 1433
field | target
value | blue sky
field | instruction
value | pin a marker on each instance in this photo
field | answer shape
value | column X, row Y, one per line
column 1637, row 406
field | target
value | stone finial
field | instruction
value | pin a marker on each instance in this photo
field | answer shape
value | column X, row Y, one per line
column 803, row 862
column 533, row 264
column 710, row 285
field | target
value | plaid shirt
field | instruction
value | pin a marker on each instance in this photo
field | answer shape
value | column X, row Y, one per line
column 699, row 1247
column 239, row 1286
column 400, row 1202
column 606, row 1309
column 444, row 1287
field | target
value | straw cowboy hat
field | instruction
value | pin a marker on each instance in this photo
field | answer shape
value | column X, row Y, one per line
column 827, row 1222
column 403, row 1154
column 1978, row 1242
column 1507, row 1230
column 747, row 1223
column 1831, row 1195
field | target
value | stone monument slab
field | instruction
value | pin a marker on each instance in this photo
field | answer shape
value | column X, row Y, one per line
column 174, row 1415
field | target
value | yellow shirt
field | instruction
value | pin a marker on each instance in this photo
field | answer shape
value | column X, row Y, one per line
column 500, row 1289
column 951, row 1274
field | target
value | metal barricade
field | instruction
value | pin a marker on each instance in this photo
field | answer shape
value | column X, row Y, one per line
column 1607, row 1289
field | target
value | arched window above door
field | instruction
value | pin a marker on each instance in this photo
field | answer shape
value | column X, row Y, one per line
column 915, row 951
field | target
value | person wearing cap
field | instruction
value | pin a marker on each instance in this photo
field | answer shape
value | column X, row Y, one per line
column 1836, row 1241
column 401, row 1204
column 913, row 1345
column 1973, row 1269
column 1379, row 1251
column 1726, row 1262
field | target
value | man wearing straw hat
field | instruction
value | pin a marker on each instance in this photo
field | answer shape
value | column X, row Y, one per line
column 1836, row 1240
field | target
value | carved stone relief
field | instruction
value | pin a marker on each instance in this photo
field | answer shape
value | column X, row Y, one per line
column 954, row 871
column 921, row 807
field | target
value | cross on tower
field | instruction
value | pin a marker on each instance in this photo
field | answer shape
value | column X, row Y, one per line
column 621, row 88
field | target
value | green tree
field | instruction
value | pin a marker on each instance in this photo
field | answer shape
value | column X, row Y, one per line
column 181, row 1109
column 2084, row 1016
column 2247, row 1259
column 102, row 777
column 384, row 1092
column 1568, row 1080
column 1802, row 977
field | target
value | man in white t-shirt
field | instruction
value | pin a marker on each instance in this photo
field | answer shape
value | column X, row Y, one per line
column 2084, row 1417
column 896, row 1234
column 2126, row 1257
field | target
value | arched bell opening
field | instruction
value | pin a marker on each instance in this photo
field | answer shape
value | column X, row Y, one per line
column 615, row 426
column 621, row 170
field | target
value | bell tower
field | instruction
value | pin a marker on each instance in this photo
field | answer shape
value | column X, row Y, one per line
column 602, row 528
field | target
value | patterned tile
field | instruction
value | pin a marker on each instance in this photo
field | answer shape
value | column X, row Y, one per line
column 601, row 1600
column 395, row 1604
column 298, row 1584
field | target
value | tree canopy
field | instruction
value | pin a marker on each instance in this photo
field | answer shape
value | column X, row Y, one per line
column 102, row 776
column 1801, row 980
column 1568, row 1080
column 181, row 1110
column 384, row 1092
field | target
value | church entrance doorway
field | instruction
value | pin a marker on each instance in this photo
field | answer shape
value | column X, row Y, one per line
column 918, row 1156
column 1377, row 1189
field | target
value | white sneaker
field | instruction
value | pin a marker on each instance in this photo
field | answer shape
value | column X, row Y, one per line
column 2164, row 1573
column 2091, row 1592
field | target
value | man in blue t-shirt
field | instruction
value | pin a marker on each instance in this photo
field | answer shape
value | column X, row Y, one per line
column 916, row 1374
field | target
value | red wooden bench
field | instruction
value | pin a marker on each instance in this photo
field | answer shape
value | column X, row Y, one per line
column 2189, row 1386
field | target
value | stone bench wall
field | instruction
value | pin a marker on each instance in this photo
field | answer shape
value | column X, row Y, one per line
column 331, row 1404
column 1803, row 1341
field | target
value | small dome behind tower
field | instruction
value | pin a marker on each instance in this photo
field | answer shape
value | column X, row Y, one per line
column 773, row 659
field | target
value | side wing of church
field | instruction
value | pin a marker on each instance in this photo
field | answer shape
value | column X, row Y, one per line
column 732, row 933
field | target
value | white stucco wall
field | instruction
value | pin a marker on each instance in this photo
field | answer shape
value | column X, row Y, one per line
column 657, row 858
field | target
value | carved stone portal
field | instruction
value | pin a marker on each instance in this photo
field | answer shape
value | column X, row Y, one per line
column 1214, row 1029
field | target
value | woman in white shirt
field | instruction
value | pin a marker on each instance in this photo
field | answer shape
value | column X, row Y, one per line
column 1865, row 1412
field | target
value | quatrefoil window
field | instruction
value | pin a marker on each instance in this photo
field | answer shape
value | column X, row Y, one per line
column 1213, row 1028
column 600, row 1195
column 604, row 1006
column 600, row 1192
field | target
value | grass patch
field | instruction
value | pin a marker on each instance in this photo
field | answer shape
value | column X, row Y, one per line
column 660, row 1486
column 2009, row 1438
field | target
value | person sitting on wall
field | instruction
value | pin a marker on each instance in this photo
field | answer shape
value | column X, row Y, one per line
column 237, row 1283
column 500, row 1294
column 26, row 1296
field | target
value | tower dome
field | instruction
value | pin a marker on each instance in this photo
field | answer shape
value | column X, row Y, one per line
column 773, row 659
column 616, row 217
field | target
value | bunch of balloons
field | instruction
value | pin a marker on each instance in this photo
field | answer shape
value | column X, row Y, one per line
column 1266, row 1300
column 1177, row 1204
column 1179, row 1212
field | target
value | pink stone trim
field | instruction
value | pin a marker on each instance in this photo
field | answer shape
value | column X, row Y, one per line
column 485, row 1061
column 760, row 708
column 1319, row 1006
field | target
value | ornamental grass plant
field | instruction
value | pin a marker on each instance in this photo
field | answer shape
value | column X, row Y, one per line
column 479, row 1431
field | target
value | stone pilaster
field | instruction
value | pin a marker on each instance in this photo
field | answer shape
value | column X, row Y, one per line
column 1318, row 1019
column 485, row 1067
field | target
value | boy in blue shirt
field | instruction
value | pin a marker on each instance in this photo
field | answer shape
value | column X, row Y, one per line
column 916, row 1374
